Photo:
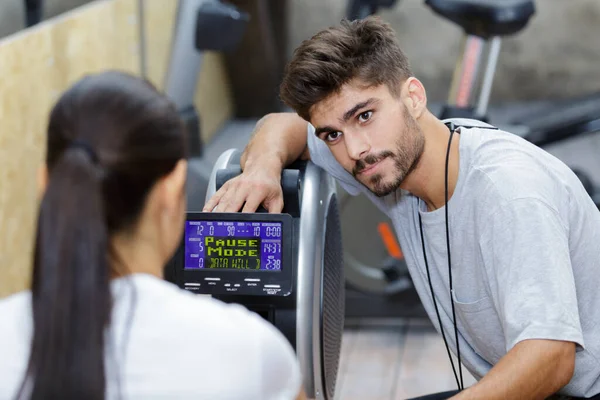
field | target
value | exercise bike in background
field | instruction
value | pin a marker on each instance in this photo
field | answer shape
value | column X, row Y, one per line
column 359, row 9
column 484, row 24
column 378, row 283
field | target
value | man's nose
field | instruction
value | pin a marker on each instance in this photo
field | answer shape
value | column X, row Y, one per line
column 357, row 145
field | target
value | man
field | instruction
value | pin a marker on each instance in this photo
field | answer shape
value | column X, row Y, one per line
column 499, row 236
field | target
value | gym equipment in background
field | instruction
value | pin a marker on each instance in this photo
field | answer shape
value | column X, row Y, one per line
column 378, row 284
column 359, row 9
column 286, row 267
column 34, row 11
column 202, row 25
column 484, row 23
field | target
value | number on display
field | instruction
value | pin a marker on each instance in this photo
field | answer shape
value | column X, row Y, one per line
column 273, row 231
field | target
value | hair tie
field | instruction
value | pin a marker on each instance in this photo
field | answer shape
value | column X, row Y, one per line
column 85, row 146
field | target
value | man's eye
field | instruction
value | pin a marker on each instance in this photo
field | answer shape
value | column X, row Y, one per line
column 363, row 117
column 331, row 136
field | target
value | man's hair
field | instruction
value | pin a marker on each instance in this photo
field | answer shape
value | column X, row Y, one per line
column 363, row 49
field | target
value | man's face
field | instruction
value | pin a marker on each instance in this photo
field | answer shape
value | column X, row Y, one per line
column 371, row 134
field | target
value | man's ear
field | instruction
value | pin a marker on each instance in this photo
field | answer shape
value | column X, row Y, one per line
column 42, row 179
column 414, row 97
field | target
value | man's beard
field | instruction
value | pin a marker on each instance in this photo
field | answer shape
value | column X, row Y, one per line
column 405, row 158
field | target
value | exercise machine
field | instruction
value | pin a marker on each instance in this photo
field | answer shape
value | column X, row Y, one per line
column 359, row 9
column 378, row 283
column 484, row 24
column 201, row 25
column 34, row 11
column 286, row 267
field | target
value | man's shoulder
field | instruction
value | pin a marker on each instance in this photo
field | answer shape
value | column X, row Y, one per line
column 503, row 168
column 507, row 159
column 468, row 123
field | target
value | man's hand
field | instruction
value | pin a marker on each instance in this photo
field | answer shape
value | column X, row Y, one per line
column 250, row 189
column 278, row 140
column 532, row 369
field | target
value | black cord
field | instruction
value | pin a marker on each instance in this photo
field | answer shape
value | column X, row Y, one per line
column 459, row 383
column 435, row 305
column 462, row 386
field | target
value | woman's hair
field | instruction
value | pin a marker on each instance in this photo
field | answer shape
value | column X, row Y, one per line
column 111, row 136
column 364, row 49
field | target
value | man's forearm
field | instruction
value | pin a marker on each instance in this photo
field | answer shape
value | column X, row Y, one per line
column 533, row 369
column 279, row 140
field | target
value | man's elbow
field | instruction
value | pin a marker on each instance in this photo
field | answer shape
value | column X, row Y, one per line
column 565, row 362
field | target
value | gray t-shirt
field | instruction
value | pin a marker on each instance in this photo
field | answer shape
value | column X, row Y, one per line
column 525, row 251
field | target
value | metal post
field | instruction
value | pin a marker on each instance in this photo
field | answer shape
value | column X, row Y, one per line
column 183, row 70
column 488, row 78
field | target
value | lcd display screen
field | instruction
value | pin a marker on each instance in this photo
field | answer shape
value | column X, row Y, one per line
column 233, row 245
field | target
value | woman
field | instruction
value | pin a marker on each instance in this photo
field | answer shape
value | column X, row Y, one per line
column 100, row 322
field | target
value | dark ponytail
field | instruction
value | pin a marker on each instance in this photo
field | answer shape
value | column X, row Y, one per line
column 71, row 299
column 110, row 138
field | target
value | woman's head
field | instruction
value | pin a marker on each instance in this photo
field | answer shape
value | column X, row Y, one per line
column 115, row 178
column 129, row 138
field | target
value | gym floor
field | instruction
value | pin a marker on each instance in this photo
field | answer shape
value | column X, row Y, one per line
column 393, row 359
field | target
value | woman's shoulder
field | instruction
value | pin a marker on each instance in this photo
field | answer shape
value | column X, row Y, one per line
column 16, row 322
column 213, row 336
column 15, row 305
column 15, row 298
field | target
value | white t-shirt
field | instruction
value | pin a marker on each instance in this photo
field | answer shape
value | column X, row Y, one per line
column 179, row 346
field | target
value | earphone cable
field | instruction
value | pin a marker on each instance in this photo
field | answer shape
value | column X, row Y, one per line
column 450, row 263
column 436, row 307
column 459, row 383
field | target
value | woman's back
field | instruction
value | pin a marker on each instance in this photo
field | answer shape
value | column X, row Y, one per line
column 168, row 343
column 113, row 213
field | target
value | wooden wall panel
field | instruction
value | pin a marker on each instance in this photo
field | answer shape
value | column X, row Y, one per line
column 25, row 92
column 36, row 65
column 213, row 95
column 159, row 18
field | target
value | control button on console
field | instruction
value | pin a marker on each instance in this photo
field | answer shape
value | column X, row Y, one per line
column 272, row 289
column 192, row 286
